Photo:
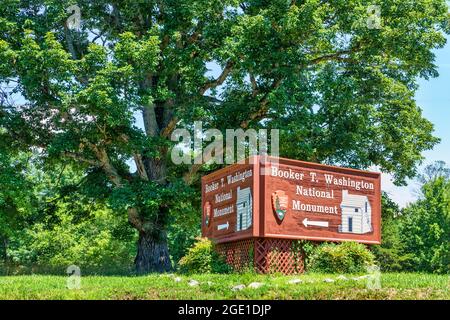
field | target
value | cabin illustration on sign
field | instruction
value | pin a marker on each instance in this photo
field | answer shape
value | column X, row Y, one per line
column 243, row 209
column 356, row 214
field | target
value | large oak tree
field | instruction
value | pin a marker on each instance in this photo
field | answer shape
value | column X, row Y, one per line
column 339, row 90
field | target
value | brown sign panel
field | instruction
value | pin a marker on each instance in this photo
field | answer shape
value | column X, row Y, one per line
column 228, row 203
column 290, row 199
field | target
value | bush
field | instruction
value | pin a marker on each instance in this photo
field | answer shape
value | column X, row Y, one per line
column 102, row 243
column 347, row 257
column 203, row 258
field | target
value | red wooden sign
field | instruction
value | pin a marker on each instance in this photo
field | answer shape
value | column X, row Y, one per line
column 291, row 199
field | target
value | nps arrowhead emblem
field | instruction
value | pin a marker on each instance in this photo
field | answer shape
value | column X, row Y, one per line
column 207, row 213
column 279, row 204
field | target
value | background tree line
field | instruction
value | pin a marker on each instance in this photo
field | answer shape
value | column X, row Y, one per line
column 417, row 238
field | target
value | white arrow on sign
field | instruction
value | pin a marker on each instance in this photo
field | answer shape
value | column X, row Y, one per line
column 307, row 223
column 223, row 226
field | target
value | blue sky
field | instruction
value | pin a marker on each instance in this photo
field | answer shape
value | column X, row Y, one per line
column 434, row 98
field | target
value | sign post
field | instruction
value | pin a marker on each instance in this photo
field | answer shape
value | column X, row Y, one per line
column 285, row 200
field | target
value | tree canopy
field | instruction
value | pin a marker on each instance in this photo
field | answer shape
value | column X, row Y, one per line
column 339, row 91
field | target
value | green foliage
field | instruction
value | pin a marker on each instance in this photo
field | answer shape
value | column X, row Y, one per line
column 391, row 254
column 185, row 221
column 64, row 226
column 417, row 237
column 342, row 99
column 425, row 230
column 303, row 251
column 347, row 257
column 339, row 91
column 17, row 199
column 69, row 229
column 183, row 230
column 96, row 243
column 203, row 258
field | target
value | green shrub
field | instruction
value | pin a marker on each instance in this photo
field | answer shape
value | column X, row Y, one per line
column 303, row 251
column 203, row 258
column 102, row 243
column 347, row 257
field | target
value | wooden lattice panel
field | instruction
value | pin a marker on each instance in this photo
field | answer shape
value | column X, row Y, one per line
column 277, row 255
column 238, row 254
column 264, row 255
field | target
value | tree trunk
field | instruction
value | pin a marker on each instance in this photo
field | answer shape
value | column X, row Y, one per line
column 4, row 248
column 152, row 254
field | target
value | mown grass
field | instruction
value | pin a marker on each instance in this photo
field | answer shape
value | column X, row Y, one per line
column 313, row 286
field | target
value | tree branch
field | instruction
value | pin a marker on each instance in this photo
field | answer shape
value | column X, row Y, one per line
column 137, row 160
column 189, row 176
column 78, row 157
column 105, row 163
column 140, row 166
column 69, row 42
column 135, row 219
column 149, row 117
column 254, row 85
column 167, row 131
column 334, row 56
column 217, row 82
column 262, row 111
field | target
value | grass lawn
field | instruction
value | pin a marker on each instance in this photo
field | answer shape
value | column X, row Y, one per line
column 313, row 286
